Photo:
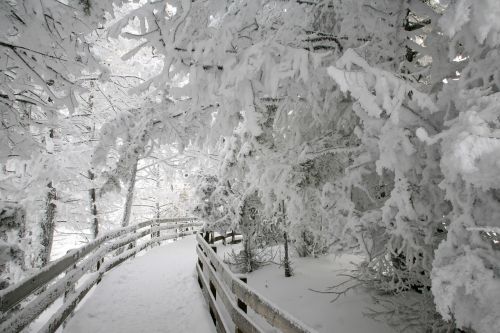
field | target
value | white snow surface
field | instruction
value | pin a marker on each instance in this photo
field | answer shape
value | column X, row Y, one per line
column 293, row 294
column 157, row 292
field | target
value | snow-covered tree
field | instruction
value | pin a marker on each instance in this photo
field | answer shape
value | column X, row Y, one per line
column 373, row 124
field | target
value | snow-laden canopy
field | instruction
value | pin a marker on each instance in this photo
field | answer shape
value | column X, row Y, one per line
column 368, row 125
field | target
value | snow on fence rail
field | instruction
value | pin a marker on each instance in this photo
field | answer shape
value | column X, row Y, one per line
column 218, row 282
column 22, row 303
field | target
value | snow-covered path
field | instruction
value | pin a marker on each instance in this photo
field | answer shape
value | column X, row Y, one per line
column 157, row 292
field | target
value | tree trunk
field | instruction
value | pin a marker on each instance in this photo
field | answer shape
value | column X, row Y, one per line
column 93, row 212
column 130, row 197
column 247, row 248
column 48, row 224
column 286, row 259
column 158, row 185
column 129, row 200
column 93, row 207
column 12, row 233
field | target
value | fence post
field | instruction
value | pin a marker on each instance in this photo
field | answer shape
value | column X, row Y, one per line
column 69, row 290
column 155, row 232
column 158, row 232
column 99, row 264
column 213, row 290
column 242, row 305
column 152, row 233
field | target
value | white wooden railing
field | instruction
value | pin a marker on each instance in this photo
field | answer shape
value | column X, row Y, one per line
column 22, row 303
column 228, row 295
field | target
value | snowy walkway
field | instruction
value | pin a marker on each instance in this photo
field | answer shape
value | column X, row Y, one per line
column 157, row 292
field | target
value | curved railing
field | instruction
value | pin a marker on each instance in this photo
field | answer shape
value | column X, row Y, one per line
column 22, row 303
column 228, row 297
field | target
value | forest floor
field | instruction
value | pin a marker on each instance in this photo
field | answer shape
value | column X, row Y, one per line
column 293, row 294
column 156, row 292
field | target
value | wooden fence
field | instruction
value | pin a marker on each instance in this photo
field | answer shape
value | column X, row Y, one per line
column 22, row 303
column 235, row 296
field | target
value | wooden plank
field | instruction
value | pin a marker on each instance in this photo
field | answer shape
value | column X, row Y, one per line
column 12, row 295
column 223, row 237
column 60, row 316
column 218, row 238
column 129, row 253
column 277, row 318
column 175, row 219
column 127, row 240
column 32, row 309
column 16, row 293
column 220, row 325
column 35, row 307
column 240, row 318
column 222, row 269
column 57, row 319
column 179, row 226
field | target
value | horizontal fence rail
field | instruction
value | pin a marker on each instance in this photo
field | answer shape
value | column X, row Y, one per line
column 22, row 303
column 219, row 283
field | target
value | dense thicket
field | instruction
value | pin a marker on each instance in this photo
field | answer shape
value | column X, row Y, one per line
column 373, row 124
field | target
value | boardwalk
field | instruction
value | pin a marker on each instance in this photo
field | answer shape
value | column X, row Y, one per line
column 157, row 292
